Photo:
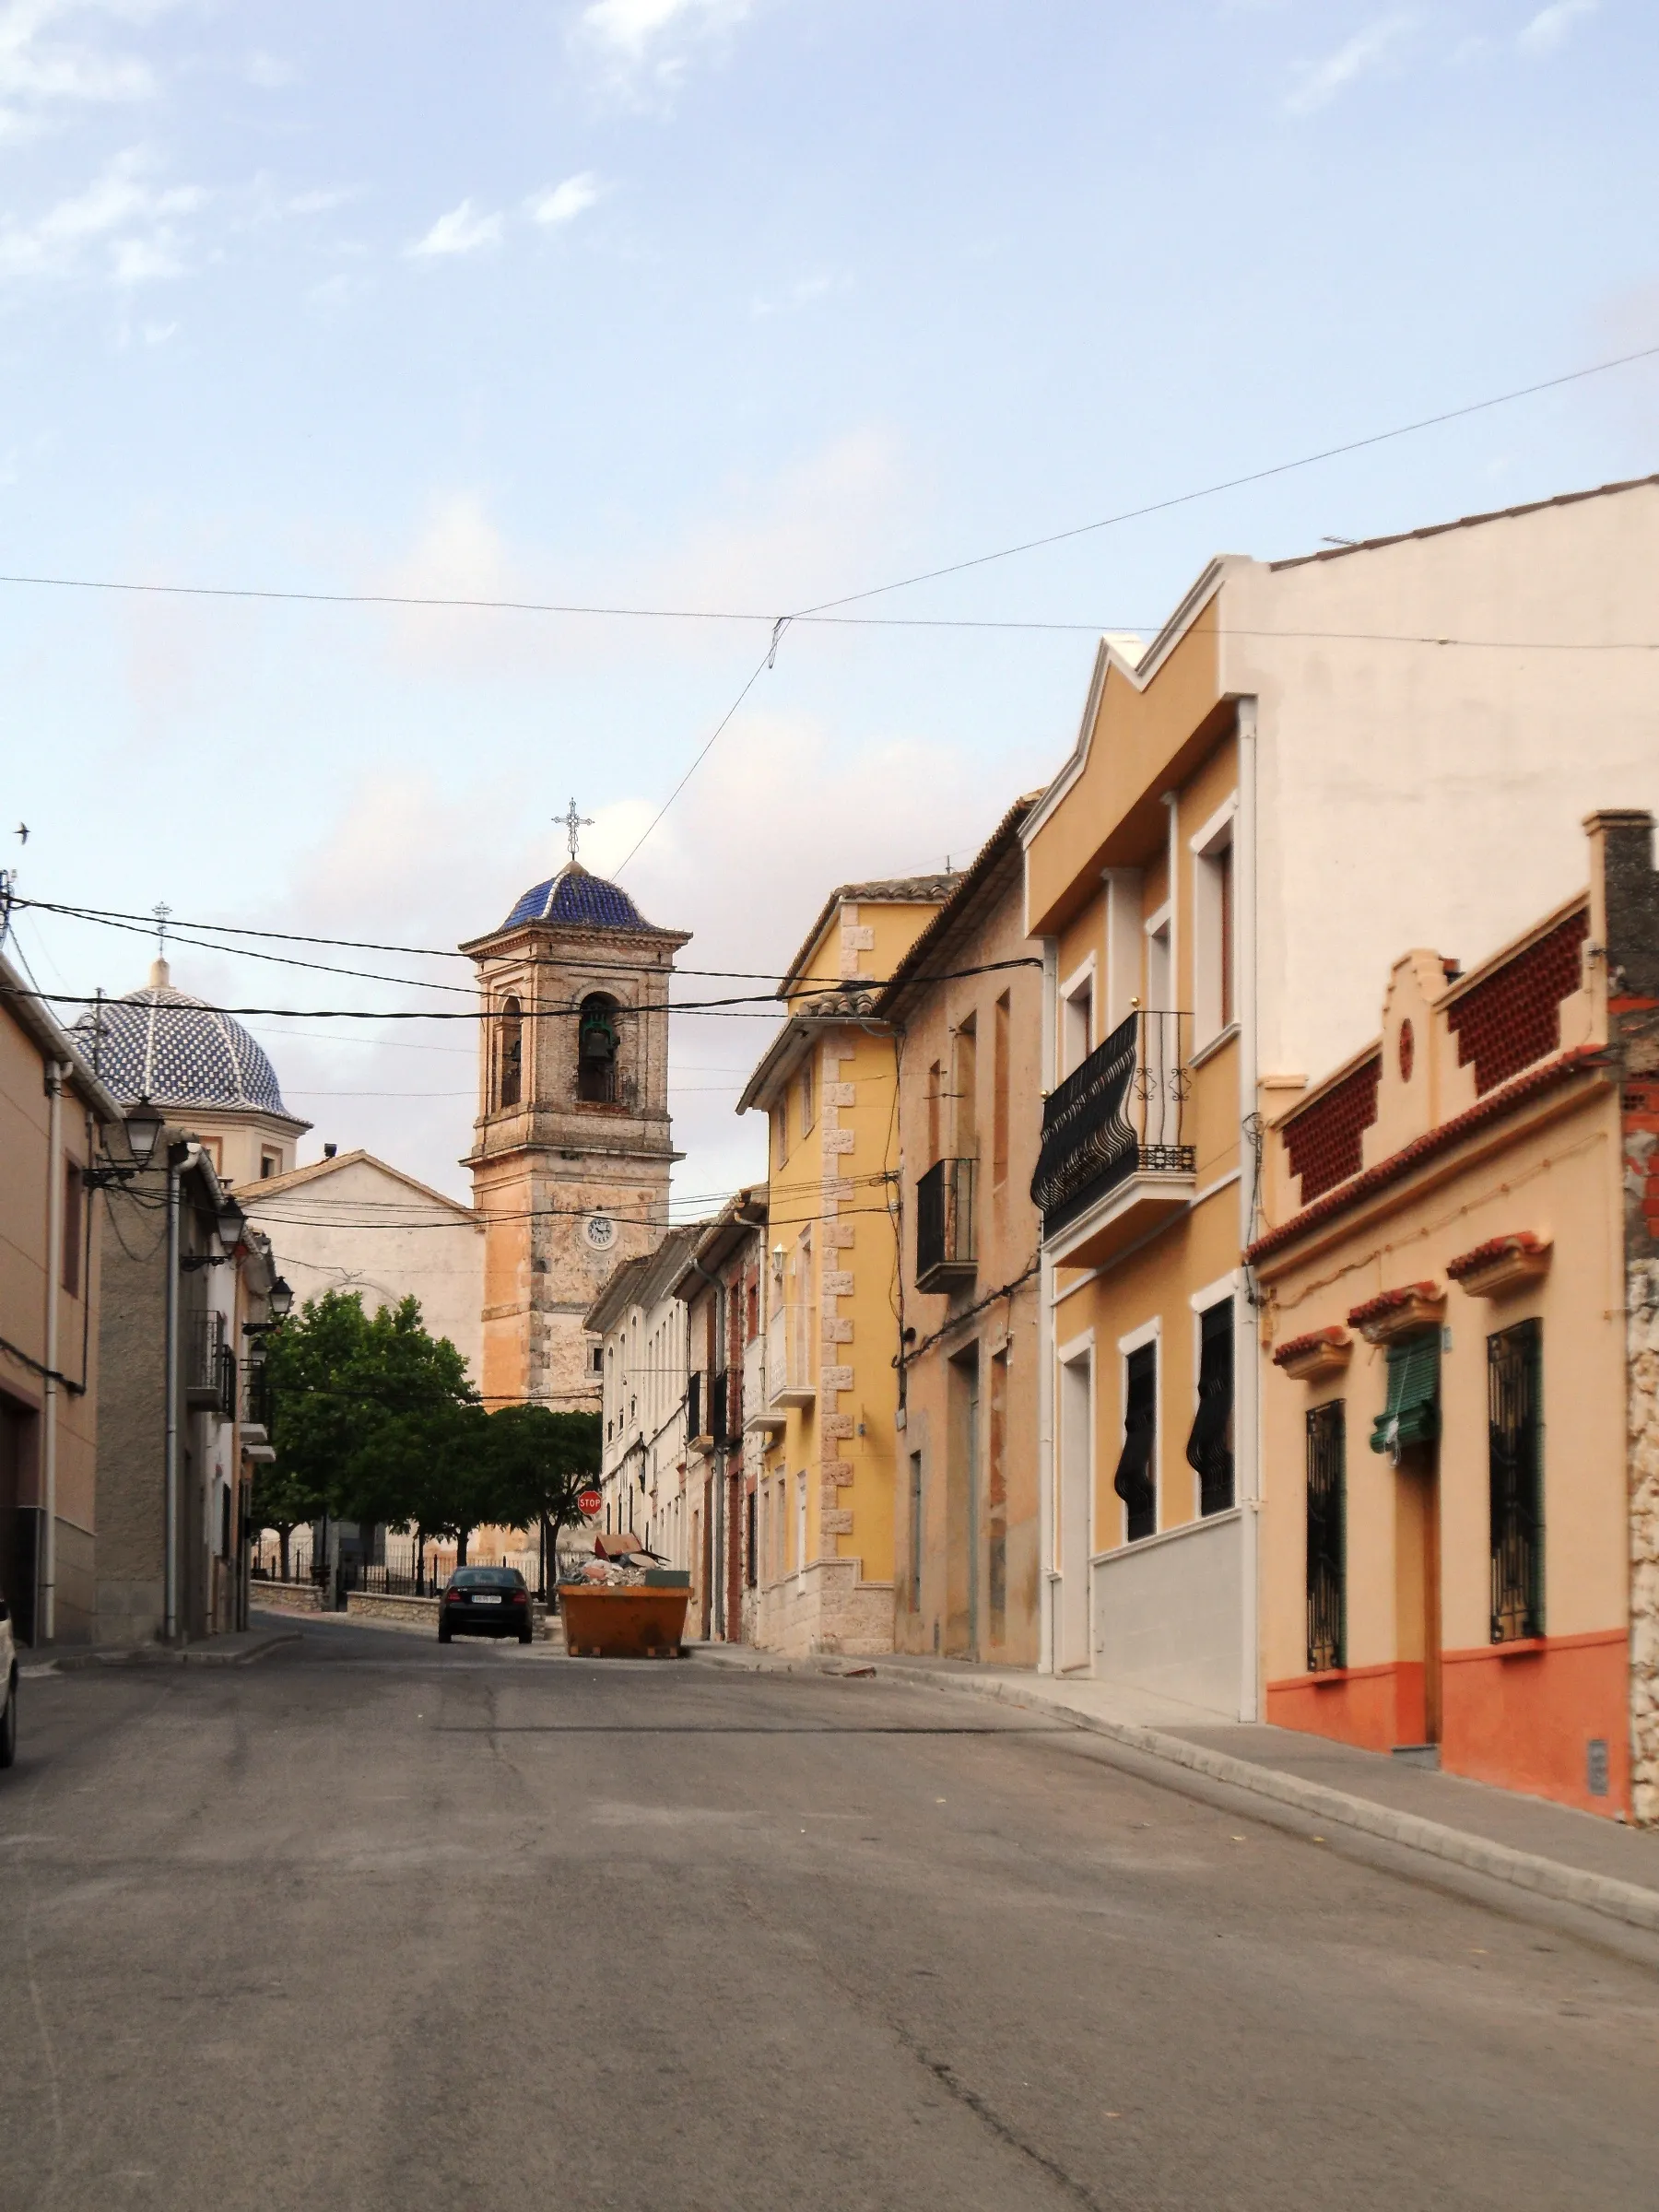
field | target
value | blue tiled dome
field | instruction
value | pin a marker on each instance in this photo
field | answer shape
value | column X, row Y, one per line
column 161, row 1044
column 573, row 899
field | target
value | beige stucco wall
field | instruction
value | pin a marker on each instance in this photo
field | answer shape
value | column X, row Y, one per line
column 1419, row 793
column 352, row 1224
column 959, row 1611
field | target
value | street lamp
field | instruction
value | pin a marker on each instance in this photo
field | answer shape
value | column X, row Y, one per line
column 142, row 1127
column 232, row 1221
column 280, row 1299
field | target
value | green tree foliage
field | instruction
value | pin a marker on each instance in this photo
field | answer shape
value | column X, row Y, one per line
column 375, row 1420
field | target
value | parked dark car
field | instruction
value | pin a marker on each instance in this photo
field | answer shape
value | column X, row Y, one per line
column 485, row 1600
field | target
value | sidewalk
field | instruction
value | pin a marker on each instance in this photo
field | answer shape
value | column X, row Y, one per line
column 1577, row 1858
column 237, row 1650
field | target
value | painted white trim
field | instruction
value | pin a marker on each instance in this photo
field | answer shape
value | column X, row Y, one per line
column 1162, row 919
column 1217, row 830
column 1224, row 1291
column 1073, row 1350
column 1123, row 894
column 1082, row 1283
column 1224, row 1286
column 1248, row 1457
column 1149, row 1332
column 1086, row 972
column 1212, row 1046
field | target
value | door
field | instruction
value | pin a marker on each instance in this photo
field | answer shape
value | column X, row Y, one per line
column 20, row 1523
column 1072, row 1532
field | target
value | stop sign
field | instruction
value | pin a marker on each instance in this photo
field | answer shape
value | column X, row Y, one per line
column 590, row 1501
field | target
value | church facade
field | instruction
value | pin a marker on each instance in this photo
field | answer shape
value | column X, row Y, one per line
column 571, row 1147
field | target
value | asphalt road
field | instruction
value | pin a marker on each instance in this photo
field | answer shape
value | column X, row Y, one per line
column 375, row 1925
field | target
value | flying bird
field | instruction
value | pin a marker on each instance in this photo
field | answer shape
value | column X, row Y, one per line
column 23, row 833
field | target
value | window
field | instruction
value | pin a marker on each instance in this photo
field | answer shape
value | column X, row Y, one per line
column 1515, row 1463
column 1210, row 1446
column 1077, row 1025
column 1136, row 1478
column 1160, row 963
column 751, row 1305
column 1327, row 1538
column 935, row 1092
column 964, row 1084
column 73, row 1199
column 270, row 1164
column 999, row 1091
column 1412, row 1413
column 779, row 1131
column 596, row 1047
column 809, row 1108
column 510, row 1084
column 1212, row 1007
column 750, row 1542
column 596, row 1358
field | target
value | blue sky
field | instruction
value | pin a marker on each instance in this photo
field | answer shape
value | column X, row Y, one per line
column 715, row 303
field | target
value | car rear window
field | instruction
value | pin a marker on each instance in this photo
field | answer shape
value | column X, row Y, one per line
column 486, row 1578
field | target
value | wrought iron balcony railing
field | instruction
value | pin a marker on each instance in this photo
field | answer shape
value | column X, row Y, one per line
column 209, row 1366
column 944, row 1225
column 1116, row 1115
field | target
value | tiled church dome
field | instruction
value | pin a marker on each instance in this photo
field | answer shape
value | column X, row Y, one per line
column 573, row 899
column 161, row 1044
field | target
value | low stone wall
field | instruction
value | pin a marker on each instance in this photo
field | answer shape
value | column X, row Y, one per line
column 284, row 1597
column 376, row 1604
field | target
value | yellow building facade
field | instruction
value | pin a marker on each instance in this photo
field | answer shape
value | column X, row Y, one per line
column 825, row 1490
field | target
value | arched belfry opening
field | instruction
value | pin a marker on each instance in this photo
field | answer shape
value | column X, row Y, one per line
column 598, row 1051
column 577, row 981
column 509, row 1060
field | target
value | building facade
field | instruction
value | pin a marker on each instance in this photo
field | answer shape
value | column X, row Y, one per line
column 571, row 1147
column 55, row 1118
column 1314, row 763
column 967, row 1003
column 824, row 1505
column 721, row 1287
column 353, row 1223
column 1453, row 1533
column 639, row 1325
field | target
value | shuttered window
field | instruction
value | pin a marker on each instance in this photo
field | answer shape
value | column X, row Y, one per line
column 1515, row 1461
column 1412, row 1413
column 1210, row 1446
column 1136, row 1478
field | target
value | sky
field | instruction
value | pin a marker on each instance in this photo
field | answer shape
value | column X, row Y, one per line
column 725, row 305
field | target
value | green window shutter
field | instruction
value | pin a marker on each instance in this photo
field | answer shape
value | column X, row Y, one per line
column 1412, row 1413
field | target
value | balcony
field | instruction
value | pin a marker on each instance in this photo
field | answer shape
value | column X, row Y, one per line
column 209, row 1366
column 791, row 1355
column 944, row 1225
column 700, row 1432
column 725, row 1423
column 1112, row 1163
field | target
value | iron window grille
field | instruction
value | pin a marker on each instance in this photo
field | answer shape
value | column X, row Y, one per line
column 1327, row 1538
column 1210, row 1445
column 944, row 1224
column 694, row 1391
column 1516, row 1429
column 1135, row 1481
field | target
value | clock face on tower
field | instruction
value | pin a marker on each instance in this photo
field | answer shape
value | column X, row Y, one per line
column 600, row 1232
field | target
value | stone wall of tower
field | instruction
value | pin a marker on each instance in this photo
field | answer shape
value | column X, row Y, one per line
column 550, row 1168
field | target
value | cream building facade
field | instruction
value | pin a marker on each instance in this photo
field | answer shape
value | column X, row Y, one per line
column 826, row 1500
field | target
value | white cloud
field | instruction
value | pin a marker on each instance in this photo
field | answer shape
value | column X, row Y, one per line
column 630, row 27
column 565, row 201
column 1365, row 51
column 803, row 292
column 1551, row 26
column 459, row 231
column 122, row 216
column 270, row 72
column 44, row 67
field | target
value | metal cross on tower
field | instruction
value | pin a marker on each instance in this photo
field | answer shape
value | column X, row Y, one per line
column 163, row 913
column 573, row 824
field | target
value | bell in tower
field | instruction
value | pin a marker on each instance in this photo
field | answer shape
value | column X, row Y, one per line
column 572, row 1148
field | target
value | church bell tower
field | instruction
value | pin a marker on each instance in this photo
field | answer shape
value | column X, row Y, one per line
column 572, row 1149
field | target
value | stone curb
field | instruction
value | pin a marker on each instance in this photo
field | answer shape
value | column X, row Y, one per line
column 1626, row 1902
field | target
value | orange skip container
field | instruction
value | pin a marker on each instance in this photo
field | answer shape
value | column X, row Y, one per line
column 636, row 1623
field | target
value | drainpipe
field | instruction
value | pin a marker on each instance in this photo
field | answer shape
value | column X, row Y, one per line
column 1048, row 1532
column 1247, row 1341
column 177, row 1155
column 718, row 1534
column 46, row 1570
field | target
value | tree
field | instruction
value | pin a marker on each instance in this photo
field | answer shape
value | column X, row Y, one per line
column 541, row 1460
column 283, row 1500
